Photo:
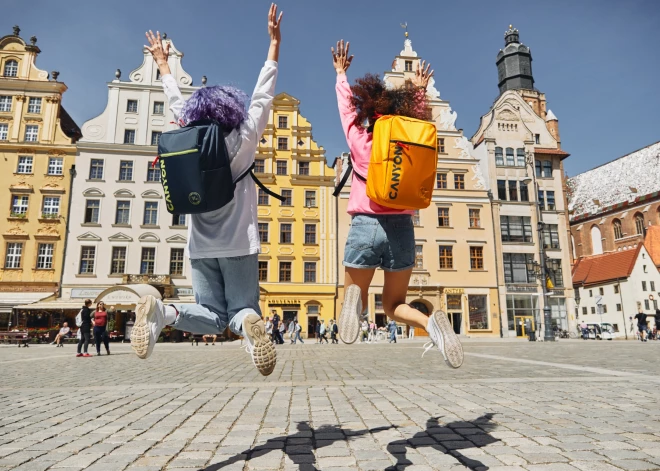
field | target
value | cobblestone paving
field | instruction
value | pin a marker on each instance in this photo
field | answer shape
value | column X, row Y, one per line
column 573, row 405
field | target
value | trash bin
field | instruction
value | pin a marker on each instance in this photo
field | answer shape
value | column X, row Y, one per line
column 532, row 336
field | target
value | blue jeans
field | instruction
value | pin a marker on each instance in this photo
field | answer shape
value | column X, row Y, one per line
column 226, row 290
column 297, row 337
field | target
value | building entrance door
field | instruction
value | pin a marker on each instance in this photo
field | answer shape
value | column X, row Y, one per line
column 455, row 319
column 421, row 307
column 524, row 325
column 311, row 326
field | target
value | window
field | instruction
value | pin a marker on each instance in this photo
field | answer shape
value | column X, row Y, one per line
column 310, row 233
column 118, row 264
column 155, row 137
column 643, row 285
column 520, row 157
column 123, row 214
column 475, row 217
column 443, row 217
column 616, row 289
column 11, row 68
column 13, row 255
column 262, row 198
column 476, row 258
column 148, row 261
column 550, row 200
column 501, row 190
column 547, row 169
column 378, row 301
column 24, row 164
column 499, row 157
column 416, row 218
column 604, row 308
column 310, row 272
column 87, row 256
column 51, row 207
column 593, row 309
column 263, row 271
column 55, row 165
column 285, row 272
column 5, row 103
column 541, row 200
column 31, row 133
column 178, row 219
column 537, row 167
column 45, row 257
column 131, row 106
column 310, row 199
column 419, row 257
column 126, row 171
column 153, row 173
column 96, row 169
column 515, row 268
column 129, row 136
column 259, row 166
column 176, row 262
column 647, row 305
column 282, row 122
column 509, row 157
column 92, row 208
column 585, row 311
column 639, row 224
column 34, row 105
column 441, row 181
column 303, row 168
column 516, row 229
column 551, row 236
column 555, row 272
column 478, row 312
column 407, row 66
column 652, row 285
column 591, row 293
column 618, row 233
column 618, row 307
column 157, row 74
column 524, row 192
column 513, row 190
column 537, row 138
column 263, row 232
column 19, row 205
column 4, row 132
column 601, row 291
column 288, row 198
column 441, row 145
column 459, row 182
column 281, row 167
column 159, row 107
column 446, row 260
column 285, row 233
column 150, row 213
column 282, row 143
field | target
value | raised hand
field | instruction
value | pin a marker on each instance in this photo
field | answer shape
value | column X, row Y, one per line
column 158, row 51
column 422, row 75
column 274, row 23
column 340, row 58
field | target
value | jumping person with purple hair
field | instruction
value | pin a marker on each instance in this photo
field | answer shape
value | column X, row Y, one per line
column 223, row 245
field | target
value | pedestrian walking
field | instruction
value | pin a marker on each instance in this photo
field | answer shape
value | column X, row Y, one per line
column 333, row 331
column 268, row 325
column 223, row 244
column 364, row 331
column 657, row 323
column 323, row 331
column 297, row 331
column 84, row 329
column 100, row 321
column 411, row 332
column 392, row 328
column 282, row 331
column 318, row 331
column 381, row 236
column 585, row 329
column 276, row 328
column 642, row 326
column 292, row 330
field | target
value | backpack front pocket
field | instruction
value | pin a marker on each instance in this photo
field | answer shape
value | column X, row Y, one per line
column 218, row 187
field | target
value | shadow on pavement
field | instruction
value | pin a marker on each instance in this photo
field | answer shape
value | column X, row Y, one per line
column 450, row 439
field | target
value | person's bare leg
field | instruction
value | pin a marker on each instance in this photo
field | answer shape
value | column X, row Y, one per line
column 361, row 277
column 394, row 300
column 356, row 288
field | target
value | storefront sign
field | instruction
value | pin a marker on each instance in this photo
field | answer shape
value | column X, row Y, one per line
column 522, row 288
column 454, row 291
column 184, row 291
column 121, row 297
column 290, row 303
column 82, row 293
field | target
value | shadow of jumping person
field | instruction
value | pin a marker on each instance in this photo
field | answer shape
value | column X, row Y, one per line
column 449, row 439
column 300, row 446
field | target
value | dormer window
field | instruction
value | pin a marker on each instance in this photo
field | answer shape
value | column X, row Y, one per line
column 408, row 66
column 11, row 68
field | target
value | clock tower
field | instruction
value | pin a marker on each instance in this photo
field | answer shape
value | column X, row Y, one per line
column 514, row 64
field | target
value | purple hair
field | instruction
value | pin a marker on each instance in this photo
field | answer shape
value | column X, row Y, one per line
column 224, row 104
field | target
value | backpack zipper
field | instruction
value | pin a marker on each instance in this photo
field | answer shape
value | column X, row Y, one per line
column 181, row 152
column 397, row 141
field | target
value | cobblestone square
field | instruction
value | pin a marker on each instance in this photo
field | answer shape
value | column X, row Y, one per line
column 572, row 405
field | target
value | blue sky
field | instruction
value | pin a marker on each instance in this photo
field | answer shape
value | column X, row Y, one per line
column 598, row 61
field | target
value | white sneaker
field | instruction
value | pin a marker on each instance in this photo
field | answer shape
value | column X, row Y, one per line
column 349, row 319
column 149, row 322
column 443, row 336
column 258, row 344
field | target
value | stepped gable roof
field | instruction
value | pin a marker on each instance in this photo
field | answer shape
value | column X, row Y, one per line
column 598, row 269
column 652, row 244
column 616, row 184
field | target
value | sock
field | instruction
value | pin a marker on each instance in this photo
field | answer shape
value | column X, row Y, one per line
column 171, row 314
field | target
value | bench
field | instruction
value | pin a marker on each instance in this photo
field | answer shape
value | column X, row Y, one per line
column 20, row 338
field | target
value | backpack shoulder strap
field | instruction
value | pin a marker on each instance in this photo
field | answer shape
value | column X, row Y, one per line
column 344, row 179
column 258, row 182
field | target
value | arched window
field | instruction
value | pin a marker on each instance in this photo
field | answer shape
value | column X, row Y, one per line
column 537, row 166
column 499, row 157
column 509, row 157
column 11, row 68
column 618, row 233
column 639, row 223
column 596, row 241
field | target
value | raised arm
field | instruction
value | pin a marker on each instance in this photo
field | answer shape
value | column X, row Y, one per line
column 160, row 52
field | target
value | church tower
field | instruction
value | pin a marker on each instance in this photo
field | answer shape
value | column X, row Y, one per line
column 514, row 64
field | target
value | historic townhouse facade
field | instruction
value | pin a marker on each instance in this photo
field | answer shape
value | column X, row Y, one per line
column 297, row 264
column 37, row 152
column 519, row 141
column 455, row 267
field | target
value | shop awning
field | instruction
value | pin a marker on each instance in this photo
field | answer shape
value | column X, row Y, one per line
column 8, row 301
column 51, row 305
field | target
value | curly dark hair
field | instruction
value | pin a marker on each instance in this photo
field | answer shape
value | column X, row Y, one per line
column 371, row 97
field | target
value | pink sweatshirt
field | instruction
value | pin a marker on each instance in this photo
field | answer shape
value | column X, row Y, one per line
column 359, row 144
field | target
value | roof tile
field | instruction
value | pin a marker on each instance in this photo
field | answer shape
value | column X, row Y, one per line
column 606, row 267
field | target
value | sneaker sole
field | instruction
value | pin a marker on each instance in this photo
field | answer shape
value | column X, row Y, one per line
column 140, row 334
column 349, row 319
column 264, row 355
column 452, row 348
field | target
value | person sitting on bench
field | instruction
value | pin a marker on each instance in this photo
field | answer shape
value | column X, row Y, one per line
column 63, row 333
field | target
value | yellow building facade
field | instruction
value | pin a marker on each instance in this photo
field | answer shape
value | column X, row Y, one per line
column 37, row 153
column 297, row 264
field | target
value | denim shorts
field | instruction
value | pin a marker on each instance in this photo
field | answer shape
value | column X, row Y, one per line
column 385, row 241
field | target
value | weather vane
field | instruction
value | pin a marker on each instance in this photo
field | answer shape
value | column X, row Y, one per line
column 405, row 27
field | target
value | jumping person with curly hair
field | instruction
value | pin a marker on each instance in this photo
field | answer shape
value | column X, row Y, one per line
column 380, row 236
column 223, row 245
